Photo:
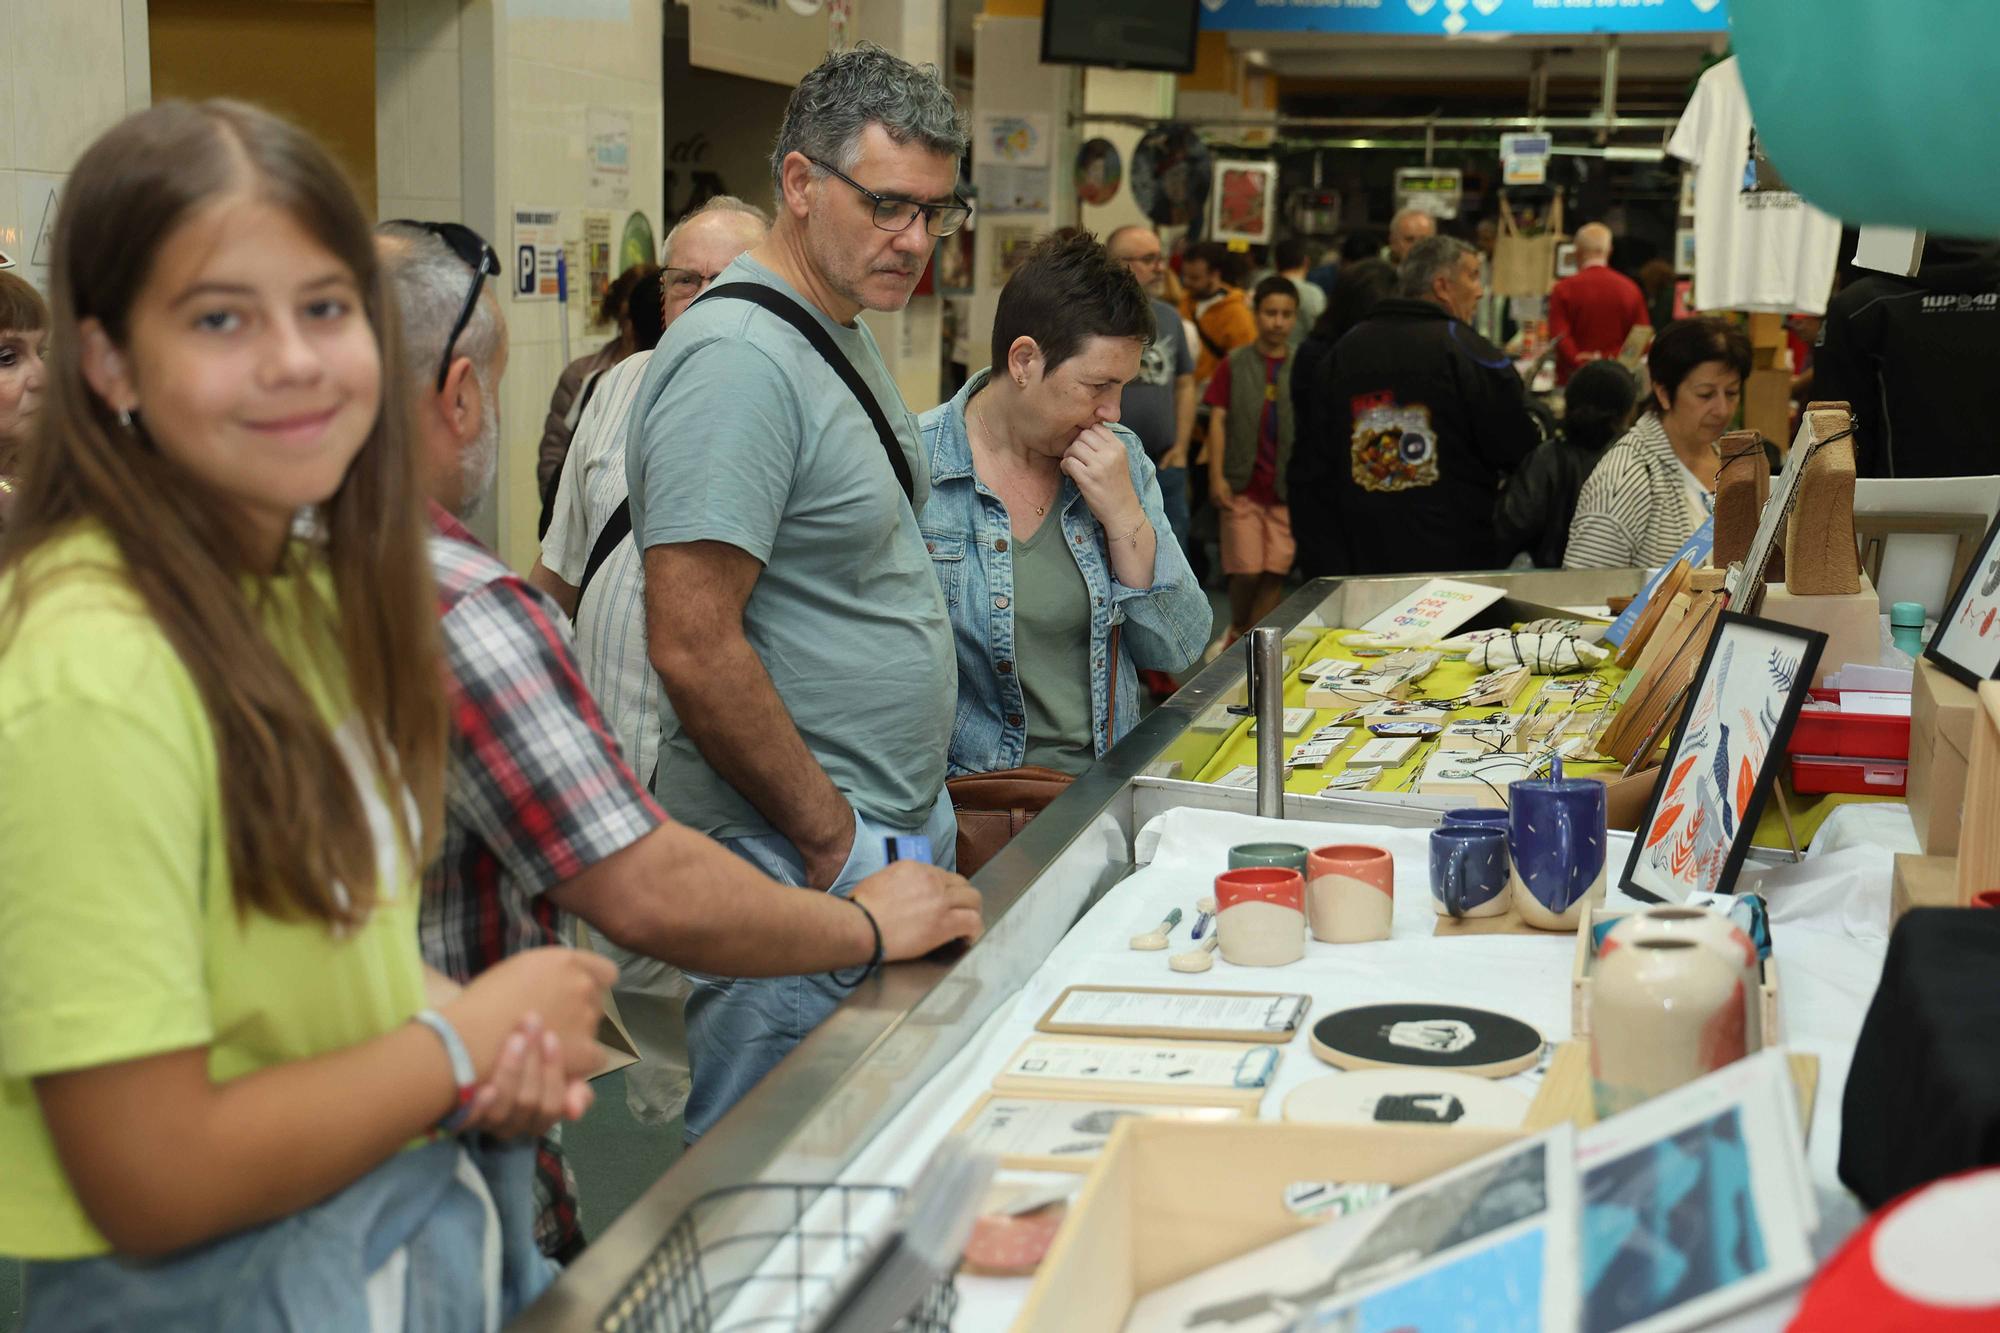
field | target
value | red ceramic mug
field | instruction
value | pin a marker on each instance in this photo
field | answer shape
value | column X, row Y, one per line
column 1352, row 894
column 1260, row 916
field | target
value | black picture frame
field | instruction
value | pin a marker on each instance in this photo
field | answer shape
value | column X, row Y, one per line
column 1811, row 644
column 1935, row 651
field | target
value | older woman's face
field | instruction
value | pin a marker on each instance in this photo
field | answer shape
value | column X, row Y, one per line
column 21, row 382
column 1704, row 404
column 1084, row 391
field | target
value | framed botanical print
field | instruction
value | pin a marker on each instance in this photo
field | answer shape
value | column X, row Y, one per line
column 1967, row 642
column 1746, row 697
column 1244, row 201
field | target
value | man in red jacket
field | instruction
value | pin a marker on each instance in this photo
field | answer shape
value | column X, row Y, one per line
column 1594, row 309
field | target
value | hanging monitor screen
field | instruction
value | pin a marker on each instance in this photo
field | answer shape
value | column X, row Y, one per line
column 1121, row 34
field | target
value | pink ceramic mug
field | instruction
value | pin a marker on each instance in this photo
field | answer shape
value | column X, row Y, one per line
column 1351, row 895
column 1260, row 918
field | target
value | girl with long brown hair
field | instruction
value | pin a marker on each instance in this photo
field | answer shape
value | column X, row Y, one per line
column 222, row 740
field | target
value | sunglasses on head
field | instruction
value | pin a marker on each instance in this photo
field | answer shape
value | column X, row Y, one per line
column 477, row 255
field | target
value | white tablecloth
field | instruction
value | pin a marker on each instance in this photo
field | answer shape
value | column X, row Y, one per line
column 1829, row 924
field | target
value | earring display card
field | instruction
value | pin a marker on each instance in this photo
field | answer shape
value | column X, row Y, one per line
column 1188, row 1015
column 1158, row 1070
column 1064, row 1134
column 1296, row 721
column 1427, row 1036
column 1385, row 752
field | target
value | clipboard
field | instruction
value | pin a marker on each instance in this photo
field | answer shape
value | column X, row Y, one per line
column 1204, row 1073
column 1176, row 1014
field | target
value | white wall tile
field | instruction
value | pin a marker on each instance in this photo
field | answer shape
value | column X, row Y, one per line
column 432, row 24
column 390, row 33
column 392, row 121
column 12, row 231
column 7, row 145
column 69, row 83
column 432, row 131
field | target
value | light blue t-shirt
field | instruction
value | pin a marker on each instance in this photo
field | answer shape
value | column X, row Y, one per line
column 742, row 434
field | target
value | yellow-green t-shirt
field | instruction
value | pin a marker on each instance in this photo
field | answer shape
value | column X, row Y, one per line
column 119, row 936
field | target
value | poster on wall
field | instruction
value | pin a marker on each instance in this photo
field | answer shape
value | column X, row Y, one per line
column 1011, row 155
column 1243, row 200
column 1170, row 176
column 636, row 244
column 609, row 151
column 953, row 265
column 1099, row 172
column 537, row 249
column 1010, row 250
column 596, row 266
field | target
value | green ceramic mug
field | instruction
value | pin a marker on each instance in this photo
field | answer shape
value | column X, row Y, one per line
column 1285, row 855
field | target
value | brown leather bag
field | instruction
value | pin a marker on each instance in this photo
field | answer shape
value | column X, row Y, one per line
column 993, row 807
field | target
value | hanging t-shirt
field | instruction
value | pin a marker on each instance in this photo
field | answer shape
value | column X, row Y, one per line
column 1758, row 246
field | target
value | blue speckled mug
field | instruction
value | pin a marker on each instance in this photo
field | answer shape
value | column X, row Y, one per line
column 1469, row 871
column 1557, row 836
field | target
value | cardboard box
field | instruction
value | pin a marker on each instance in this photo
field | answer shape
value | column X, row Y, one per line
column 1852, row 623
column 1941, row 713
column 1625, row 802
column 1169, row 1199
column 1923, row 881
column 1585, row 959
column 1979, row 829
column 1941, row 706
column 1767, row 403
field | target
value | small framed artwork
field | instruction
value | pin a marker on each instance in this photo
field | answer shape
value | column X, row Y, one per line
column 1967, row 642
column 1727, row 746
column 1684, row 251
column 1243, row 202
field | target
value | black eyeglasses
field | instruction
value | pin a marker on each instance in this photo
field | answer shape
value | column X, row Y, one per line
column 472, row 248
column 686, row 283
column 892, row 214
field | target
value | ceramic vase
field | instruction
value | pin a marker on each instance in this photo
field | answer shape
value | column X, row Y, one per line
column 1663, row 1012
column 1260, row 916
column 1708, row 930
column 1351, row 895
column 1556, row 832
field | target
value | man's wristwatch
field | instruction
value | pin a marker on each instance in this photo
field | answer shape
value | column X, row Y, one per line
column 462, row 1072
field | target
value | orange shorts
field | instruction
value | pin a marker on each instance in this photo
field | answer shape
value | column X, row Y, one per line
column 1256, row 538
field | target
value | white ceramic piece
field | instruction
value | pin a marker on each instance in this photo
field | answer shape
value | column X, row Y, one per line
column 1261, row 934
column 1157, row 937
column 1198, row 959
column 1712, row 931
column 1663, row 1012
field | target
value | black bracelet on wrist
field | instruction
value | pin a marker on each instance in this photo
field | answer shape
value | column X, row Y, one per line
column 869, row 967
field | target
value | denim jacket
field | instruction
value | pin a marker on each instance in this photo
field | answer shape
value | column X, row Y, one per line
column 965, row 526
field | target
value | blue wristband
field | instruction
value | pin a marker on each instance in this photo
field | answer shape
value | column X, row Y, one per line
column 462, row 1071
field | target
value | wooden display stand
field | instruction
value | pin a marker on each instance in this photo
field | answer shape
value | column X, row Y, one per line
column 1742, row 488
column 1923, row 881
column 1565, row 1090
column 1979, row 832
column 1941, row 713
column 1169, row 1199
column 1852, row 623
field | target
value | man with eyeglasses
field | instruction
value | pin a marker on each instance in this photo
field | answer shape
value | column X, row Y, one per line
column 1159, row 406
column 800, row 637
column 544, row 819
column 604, row 594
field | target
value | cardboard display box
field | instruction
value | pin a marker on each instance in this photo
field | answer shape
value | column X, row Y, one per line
column 1169, row 1199
column 1979, row 830
column 1941, row 713
column 1585, row 961
column 1923, row 881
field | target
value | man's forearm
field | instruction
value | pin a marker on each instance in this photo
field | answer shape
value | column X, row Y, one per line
column 565, row 595
column 1184, row 415
column 725, row 701
column 684, row 899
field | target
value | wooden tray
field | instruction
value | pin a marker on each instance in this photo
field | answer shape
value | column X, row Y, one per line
column 1565, row 1091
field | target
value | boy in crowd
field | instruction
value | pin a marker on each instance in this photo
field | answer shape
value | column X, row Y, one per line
column 1249, row 451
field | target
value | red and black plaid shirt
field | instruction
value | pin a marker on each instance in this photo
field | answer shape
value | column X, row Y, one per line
column 536, row 794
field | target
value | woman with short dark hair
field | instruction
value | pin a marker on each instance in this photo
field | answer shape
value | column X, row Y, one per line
column 1045, row 526
column 1653, row 488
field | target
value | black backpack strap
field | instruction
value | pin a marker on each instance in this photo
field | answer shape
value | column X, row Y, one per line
column 616, row 529
column 785, row 308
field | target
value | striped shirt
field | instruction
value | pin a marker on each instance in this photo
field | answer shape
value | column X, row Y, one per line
column 611, row 619
column 1639, row 505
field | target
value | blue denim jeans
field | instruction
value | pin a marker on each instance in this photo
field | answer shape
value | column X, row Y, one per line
column 738, row 1028
column 1174, row 499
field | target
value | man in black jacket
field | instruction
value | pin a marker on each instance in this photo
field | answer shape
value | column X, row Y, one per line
column 1915, row 358
column 1418, row 420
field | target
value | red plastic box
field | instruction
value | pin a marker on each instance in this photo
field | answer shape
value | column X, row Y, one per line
column 1849, row 735
column 1816, row 775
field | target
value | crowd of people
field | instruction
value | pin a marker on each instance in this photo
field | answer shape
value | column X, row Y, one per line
column 305, row 795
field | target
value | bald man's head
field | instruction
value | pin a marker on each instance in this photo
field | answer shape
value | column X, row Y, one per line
column 1593, row 243
column 1406, row 229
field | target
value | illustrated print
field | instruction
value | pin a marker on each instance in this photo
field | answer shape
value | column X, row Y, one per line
column 1421, row 1108
column 1394, row 448
column 1759, row 175
column 1444, row 1035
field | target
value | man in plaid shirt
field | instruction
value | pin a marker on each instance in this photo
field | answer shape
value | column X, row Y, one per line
column 543, row 816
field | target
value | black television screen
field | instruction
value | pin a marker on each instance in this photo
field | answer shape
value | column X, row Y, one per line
column 1121, row 34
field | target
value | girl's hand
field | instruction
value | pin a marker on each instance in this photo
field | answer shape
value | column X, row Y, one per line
column 528, row 1091
column 563, row 987
column 1096, row 463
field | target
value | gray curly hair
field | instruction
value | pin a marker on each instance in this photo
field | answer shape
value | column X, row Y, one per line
column 851, row 90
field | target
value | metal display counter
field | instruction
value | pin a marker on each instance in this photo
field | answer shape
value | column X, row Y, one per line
column 808, row 1119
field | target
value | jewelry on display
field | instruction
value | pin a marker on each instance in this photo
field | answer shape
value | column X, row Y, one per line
column 873, row 962
column 1157, row 938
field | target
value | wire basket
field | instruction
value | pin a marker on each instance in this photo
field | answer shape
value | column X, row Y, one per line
column 762, row 1257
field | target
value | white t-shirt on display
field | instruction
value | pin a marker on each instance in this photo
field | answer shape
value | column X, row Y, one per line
column 1758, row 246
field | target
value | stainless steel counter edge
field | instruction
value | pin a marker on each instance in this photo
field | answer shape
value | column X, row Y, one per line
column 810, row 1117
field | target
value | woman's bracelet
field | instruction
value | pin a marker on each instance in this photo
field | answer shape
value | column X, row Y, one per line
column 1137, row 528
column 872, row 963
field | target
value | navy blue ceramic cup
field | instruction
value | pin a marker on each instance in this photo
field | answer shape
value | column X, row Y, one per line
column 1469, row 870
